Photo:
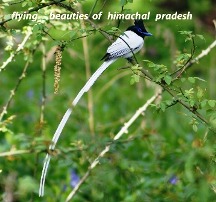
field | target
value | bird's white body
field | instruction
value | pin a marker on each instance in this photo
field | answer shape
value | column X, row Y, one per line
column 125, row 46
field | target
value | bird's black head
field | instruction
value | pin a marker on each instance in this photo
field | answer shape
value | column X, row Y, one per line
column 139, row 29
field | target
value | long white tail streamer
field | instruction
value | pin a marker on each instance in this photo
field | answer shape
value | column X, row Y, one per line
column 66, row 116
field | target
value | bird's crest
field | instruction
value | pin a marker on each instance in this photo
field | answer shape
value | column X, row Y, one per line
column 139, row 23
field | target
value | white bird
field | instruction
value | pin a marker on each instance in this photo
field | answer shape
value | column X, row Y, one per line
column 126, row 45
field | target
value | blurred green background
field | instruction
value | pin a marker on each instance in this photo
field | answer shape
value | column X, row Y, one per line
column 160, row 159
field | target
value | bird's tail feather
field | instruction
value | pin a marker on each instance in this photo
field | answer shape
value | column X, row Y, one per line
column 91, row 81
column 66, row 116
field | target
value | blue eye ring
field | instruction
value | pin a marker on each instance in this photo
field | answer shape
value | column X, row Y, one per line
column 144, row 33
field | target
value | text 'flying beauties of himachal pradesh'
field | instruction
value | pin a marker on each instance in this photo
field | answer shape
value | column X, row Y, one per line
column 110, row 16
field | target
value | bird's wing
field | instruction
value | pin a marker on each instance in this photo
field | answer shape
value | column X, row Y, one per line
column 124, row 44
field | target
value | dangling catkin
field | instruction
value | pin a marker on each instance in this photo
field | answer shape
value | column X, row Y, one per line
column 57, row 69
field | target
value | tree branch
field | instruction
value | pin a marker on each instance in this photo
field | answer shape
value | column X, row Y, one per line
column 201, row 55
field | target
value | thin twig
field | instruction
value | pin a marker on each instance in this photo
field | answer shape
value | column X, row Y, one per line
column 19, row 48
column 43, row 85
column 123, row 131
column 59, row 152
column 198, row 115
column 88, row 75
column 110, row 83
column 104, row 3
column 14, row 152
column 48, row 34
column 92, row 10
column 14, row 90
column 201, row 55
column 186, row 63
column 80, row 37
column 88, row 20
column 119, row 21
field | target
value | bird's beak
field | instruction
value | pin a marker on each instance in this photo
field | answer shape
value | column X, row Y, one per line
column 147, row 34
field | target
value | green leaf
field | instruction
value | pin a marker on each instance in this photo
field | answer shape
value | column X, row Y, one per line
column 72, row 33
column 181, row 59
column 192, row 103
column 26, row 184
column 195, row 128
column 191, row 79
column 147, row 61
column 24, row 4
column 36, row 28
column 200, row 93
column 115, row 28
column 162, row 106
column 200, row 36
column 30, row 4
column 212, row 103
column 188, row 39
column 183, row 80
column 212, row 120
column 203, row 103
column 189, row 93
column 168, row 102
column 185, row 32
column 123, row 2
column 168, row 79
column 136, row 67
column 39, row 37
column 134, row 79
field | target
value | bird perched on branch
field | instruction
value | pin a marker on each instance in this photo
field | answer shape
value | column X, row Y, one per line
column 126, row 45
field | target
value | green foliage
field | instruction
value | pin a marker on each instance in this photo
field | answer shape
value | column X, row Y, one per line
column 135, row 78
